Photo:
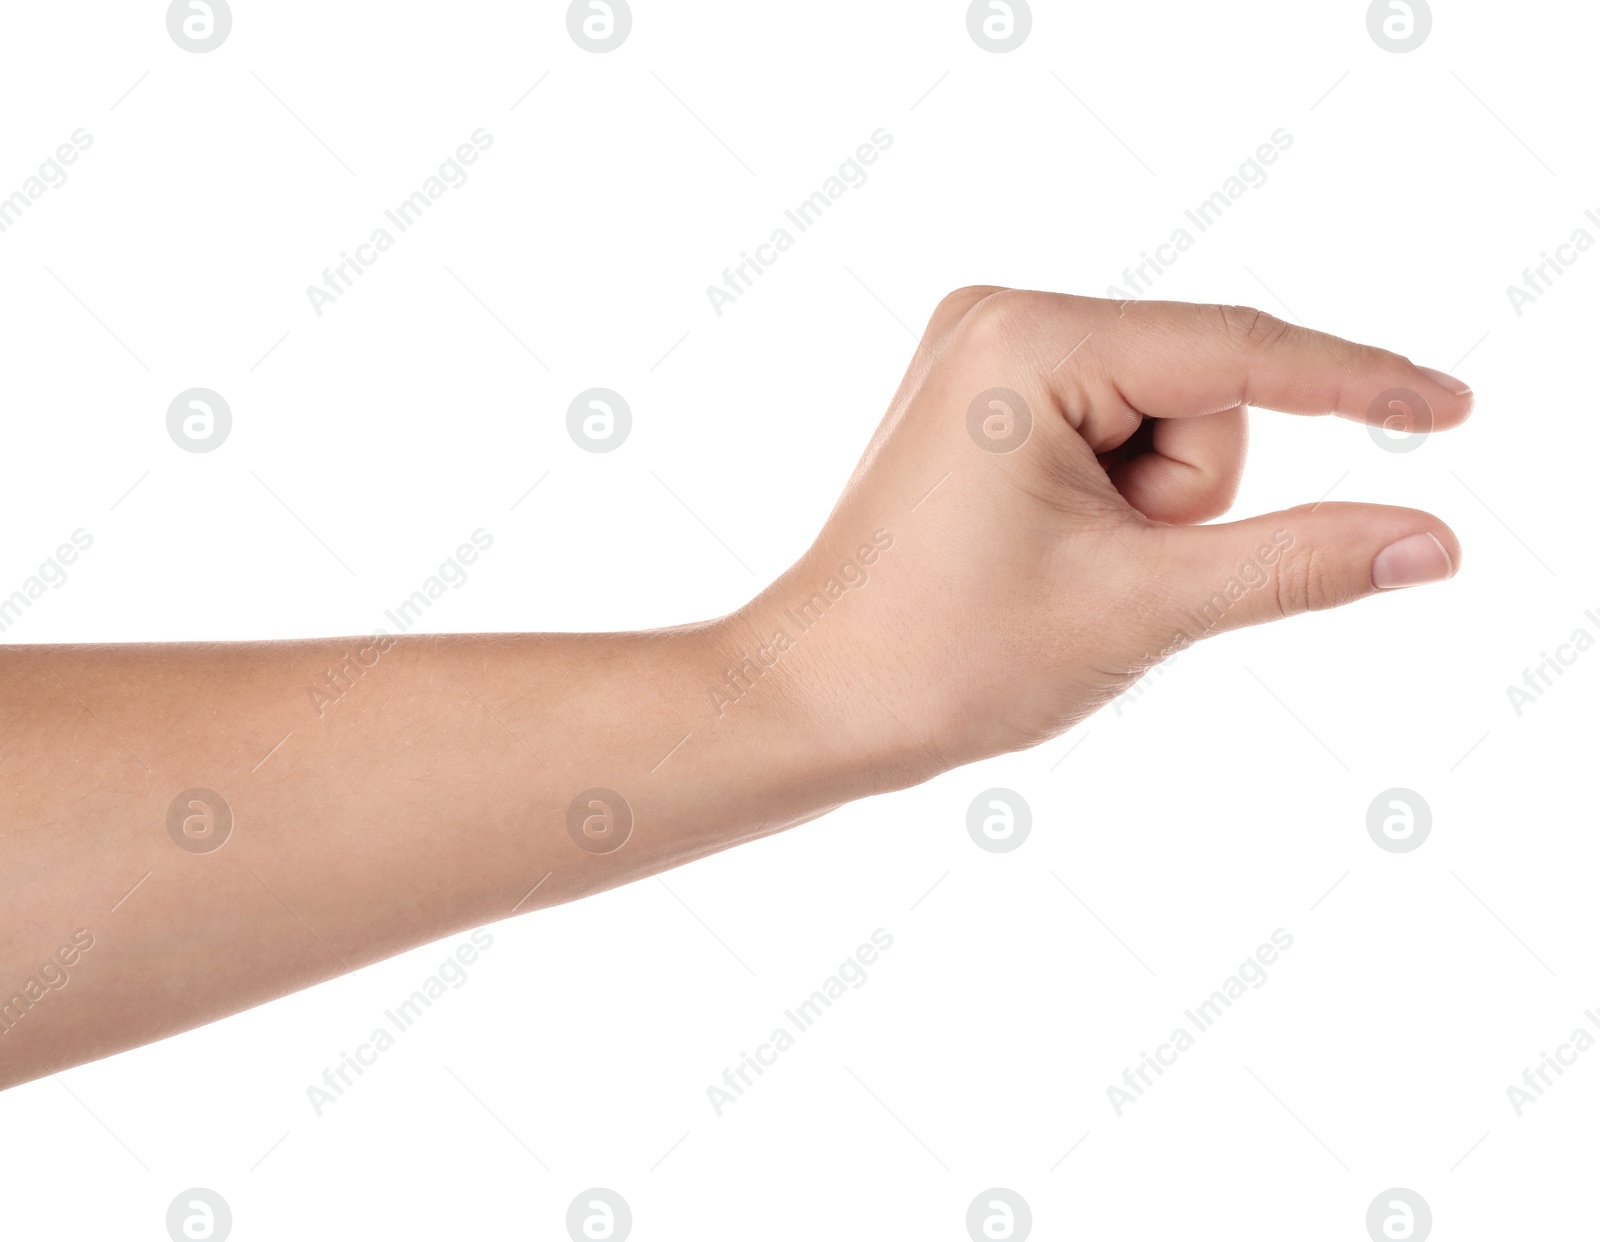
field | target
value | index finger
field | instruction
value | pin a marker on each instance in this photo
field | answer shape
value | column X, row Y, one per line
column 1184, row 360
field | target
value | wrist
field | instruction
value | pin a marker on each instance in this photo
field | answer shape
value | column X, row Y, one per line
column 798, row 663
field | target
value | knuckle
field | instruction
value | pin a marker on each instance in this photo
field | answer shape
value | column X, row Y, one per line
column 1000, row 320
column 955, row 305
column 989, row 322
column 1307, row 583
column 1211, row 504
column 966, row 296
column 1023, row 305
column 1249, row 328
column 1292, row 585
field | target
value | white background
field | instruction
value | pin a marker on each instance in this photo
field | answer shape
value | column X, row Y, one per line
column 1226, row 802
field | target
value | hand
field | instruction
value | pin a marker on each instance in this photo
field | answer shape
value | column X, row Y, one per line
column 1021, row 540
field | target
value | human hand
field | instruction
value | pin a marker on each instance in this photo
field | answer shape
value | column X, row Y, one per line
column 1021, row 540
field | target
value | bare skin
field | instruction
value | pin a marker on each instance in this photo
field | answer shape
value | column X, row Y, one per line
column 959, row 603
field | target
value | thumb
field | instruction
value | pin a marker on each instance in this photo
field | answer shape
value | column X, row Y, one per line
column 1299, row 560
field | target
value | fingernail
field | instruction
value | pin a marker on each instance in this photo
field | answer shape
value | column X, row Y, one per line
column 1449, row 382
column 1411, row 562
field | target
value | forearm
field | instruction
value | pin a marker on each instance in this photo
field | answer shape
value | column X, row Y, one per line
column 420, row 791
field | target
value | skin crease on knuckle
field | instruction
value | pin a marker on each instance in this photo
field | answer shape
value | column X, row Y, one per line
column 1303, row 585
column 1253, row 329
